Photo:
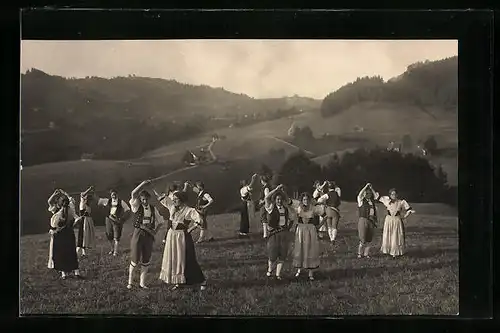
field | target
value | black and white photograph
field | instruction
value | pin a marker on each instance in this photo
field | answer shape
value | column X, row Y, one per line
column 239, row 177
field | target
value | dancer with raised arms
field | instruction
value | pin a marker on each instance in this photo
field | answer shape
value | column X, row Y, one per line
column 306, row 246
column 62, row 254
column 367, row 212
column 85, row 223
column 279, row 222
column 393, row 236
column 179, row 264
column 147, row 222
column 331, row 200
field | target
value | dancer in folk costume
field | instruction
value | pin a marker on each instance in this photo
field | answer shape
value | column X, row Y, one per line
column 246, row 197
column 266, row 189
column 393, row 236
column 247, row 209
column 147, row 222
column 85, row 224
column 331, row 200
column 306, row 246
column 179, row 265
column 279, row 222
column 118, row 213
column 318, row 192
column 171, row 189
column 62, row 255
column 367, row 211
column 203, row 201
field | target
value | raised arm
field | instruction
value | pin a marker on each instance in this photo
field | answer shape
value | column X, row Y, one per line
column 268, row 196
column 52, row 198
column 87, row 191
column 361, row 193
column 139, row 188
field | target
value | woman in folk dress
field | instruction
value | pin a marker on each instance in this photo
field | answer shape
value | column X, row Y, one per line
column 306, row 246
column 279, row 221
column 62, row 255
column 85, row 225
column 393, row 237
column 367, row 211
column 318, row 192
column 180, row 266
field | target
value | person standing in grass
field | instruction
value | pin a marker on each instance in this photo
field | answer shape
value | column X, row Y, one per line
column 306, row 246
column 331, row 200
column 147, row 222
column 203, row 201
column 367, row 211
column 179, row 264
column 393, row 236
column 279, row 222
column 266, row 188
column 85, row 225
column 62, row 254
column 118, row 213
column 318, row 192
column 246, row 205
column 170, row 195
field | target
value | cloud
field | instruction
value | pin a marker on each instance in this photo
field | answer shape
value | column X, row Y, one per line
column 259, row 68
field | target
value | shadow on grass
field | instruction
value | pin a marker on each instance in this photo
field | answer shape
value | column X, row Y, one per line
column 422, row 253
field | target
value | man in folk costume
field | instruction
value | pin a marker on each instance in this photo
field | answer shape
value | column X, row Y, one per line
column 367, row 211
column 331, row 200
column 118, row 213
column 266, row 189
column 147, row 222
column 279, row 222
column 203, row 201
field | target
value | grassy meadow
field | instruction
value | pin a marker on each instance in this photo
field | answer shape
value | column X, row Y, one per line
column 248, row 144
column 424, row 281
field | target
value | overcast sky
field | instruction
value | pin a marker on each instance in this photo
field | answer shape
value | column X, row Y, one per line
column 258, row 68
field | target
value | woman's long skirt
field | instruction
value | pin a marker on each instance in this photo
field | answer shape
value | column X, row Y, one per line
column 278, row 246
column 393, row 237
column 244, row 218
column 86, row 233
column 180, row 265
column 306, row 247
column 62, row 254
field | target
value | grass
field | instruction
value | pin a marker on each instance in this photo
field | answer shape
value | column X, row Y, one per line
column 425, row 281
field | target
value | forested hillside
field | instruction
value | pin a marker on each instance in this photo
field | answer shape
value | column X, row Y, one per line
column 429, row 84
column 123, row 117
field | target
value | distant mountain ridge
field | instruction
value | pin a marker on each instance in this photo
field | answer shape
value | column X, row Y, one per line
column 122, row 117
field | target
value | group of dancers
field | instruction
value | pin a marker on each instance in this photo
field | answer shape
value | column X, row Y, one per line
column 301, row 221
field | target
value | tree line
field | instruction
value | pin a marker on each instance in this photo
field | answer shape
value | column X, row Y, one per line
column 423, row 84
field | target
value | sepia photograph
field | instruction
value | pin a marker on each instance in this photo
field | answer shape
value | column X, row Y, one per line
column 239, row 177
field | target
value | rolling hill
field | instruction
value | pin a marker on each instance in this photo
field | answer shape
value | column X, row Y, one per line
column 247, row 147
column 123, row 117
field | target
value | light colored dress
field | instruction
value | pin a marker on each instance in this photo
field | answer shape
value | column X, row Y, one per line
column 306, row 246
column 179, row 264
column 86, row 232
column 393, row 237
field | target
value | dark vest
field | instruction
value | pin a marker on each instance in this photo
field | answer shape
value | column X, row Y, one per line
column 315, row 220
column 333, row 199
column 274, row 218
column 364, row 210
column 201, row 201
column 139, row 216
column 119, row 208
